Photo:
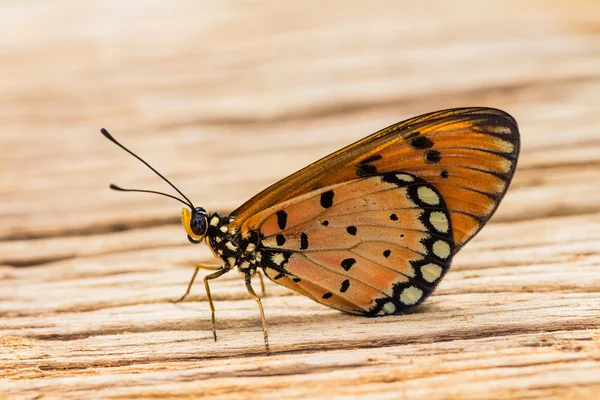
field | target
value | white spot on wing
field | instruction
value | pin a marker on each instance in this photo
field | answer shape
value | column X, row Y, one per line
column 427, row 195
column 411, row 295
column 441, row 249
column 278, row 258
column 505, row 147
column 389, row 308
column 431, row 272
column 231, row 246
column 405, row 177
column 251, row 247
column 439, row 220
column 500, row 130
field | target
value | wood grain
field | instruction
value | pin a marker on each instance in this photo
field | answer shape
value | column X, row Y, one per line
column 226, row 97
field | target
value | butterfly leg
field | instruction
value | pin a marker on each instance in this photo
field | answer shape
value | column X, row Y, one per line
column 198, row 268
column 262, row 311
column 214, row 275
column 262, row 284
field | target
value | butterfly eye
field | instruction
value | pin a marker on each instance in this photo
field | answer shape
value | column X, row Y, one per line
column 195, row 223
column 199, row 222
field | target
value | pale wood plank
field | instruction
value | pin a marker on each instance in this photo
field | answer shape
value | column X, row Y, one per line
column 227, row 97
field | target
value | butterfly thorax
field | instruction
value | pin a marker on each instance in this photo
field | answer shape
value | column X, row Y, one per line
column 228, row 245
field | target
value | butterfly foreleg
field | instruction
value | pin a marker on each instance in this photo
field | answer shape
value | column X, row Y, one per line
column 198, row 268
column 260, row 307
column 214, row 275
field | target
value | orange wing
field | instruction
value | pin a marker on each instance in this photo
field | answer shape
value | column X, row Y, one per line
column 376, row 245
column 469, row 155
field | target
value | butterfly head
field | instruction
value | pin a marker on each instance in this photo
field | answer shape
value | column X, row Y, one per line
column 195, row 223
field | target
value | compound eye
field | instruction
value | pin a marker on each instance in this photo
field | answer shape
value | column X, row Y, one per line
column 199, row 224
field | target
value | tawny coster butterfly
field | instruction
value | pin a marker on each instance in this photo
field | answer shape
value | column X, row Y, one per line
column 372, row 228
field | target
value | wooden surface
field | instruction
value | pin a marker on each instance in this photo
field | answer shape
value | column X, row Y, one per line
column 226, row 97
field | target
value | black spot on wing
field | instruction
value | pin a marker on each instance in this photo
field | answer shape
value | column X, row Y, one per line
column 348, row 263
column 327, row 295
column 281, row 219
column 280, row 240
column 421, row 143
column 433, row 156
column 351, row 230
column 303, row 241
column 365, row 168
column 327, row 199
column 345, row 286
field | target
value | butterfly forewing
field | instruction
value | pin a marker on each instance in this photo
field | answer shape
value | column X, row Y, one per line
column 375, row 245
column 469, row 155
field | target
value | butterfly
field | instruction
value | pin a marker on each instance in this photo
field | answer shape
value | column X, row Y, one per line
column 372, row 228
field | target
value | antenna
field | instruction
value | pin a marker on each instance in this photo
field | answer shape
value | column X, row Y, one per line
column 120, row 189
column 114, row 187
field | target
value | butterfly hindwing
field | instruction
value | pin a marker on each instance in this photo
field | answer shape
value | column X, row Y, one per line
column 469, row 155
column 374, row 245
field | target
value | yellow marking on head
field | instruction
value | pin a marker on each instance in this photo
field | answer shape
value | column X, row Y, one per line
column 186, row 219
column 411, row 295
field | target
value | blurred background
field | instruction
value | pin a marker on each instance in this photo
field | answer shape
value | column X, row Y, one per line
column 226, row 97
